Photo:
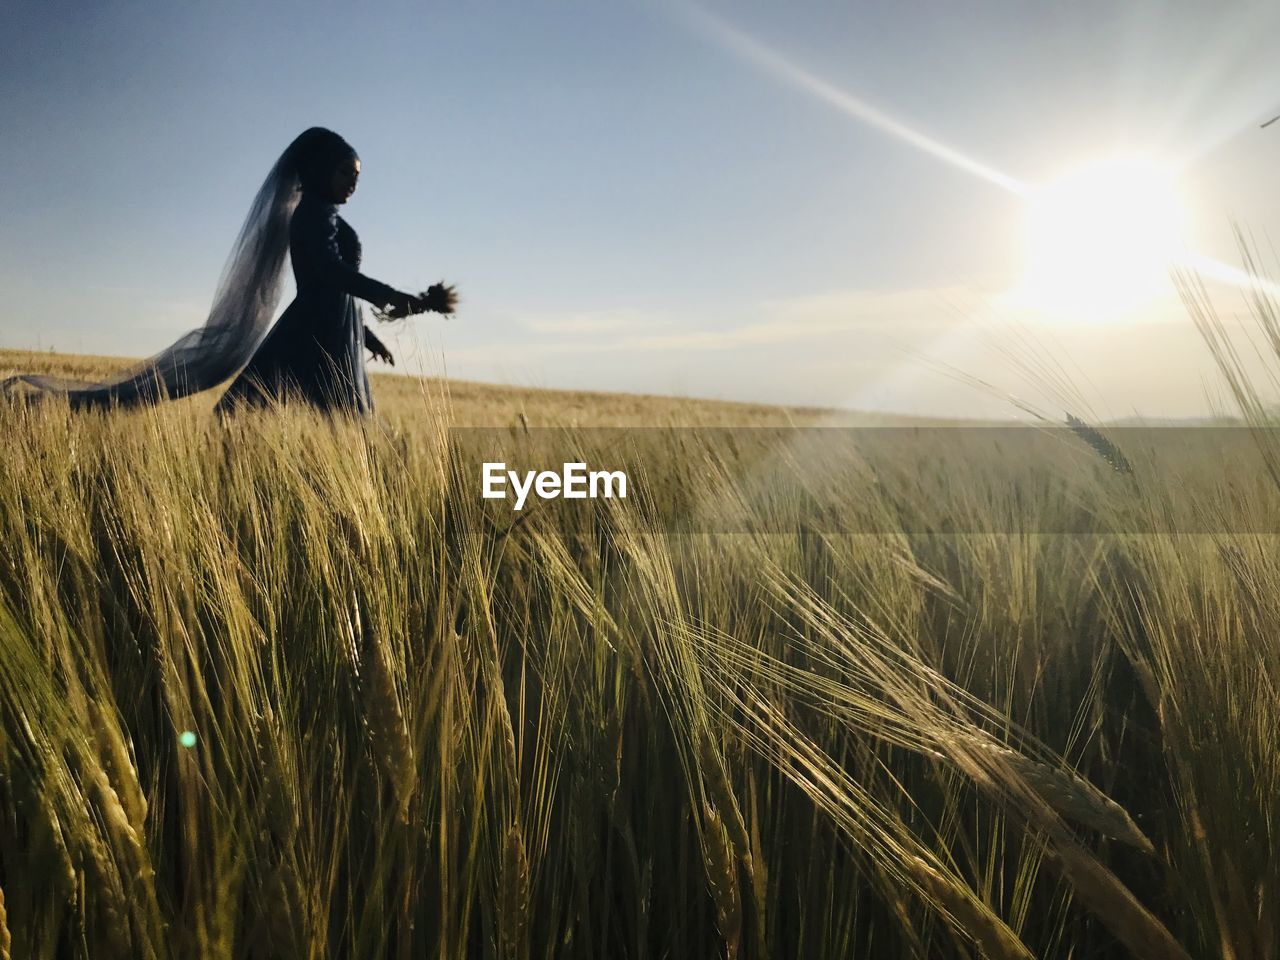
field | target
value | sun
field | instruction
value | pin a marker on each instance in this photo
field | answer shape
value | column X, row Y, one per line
column 1100, row 240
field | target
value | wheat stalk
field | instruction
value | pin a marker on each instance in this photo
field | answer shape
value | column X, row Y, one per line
column 281, row 911
column 717, row 779
column 968, row 915
column 119, row 765
column 722, row 879
column 6, row 941
column 49, row 845
column 1103, row 447
column 1070, row 794
column 1094, row 885
column 392, row 748
column 108, row 894
column 513, row 908
column 123, row 837
column 135, row 880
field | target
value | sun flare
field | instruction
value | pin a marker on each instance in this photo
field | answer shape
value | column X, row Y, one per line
column 1100, row 240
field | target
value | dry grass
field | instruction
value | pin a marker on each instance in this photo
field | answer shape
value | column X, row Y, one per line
column 421, row 733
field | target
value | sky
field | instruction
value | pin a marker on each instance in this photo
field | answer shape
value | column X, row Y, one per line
column 831, row 203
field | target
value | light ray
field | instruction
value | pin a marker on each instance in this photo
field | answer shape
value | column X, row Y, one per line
column 1229, row 275
column 757, row 53
column 773, row 63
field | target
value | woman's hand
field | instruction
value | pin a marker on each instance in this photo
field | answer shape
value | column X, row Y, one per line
column 404, row 305
column 377, row 348
column 438, row 298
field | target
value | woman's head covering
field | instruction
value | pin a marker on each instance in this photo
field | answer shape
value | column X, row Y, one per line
column 244, row 304
column 317, row 153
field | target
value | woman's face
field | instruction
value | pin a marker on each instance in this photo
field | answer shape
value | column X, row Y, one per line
column 343, row 182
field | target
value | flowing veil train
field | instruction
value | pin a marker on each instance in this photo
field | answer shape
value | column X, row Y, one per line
column 243, row 306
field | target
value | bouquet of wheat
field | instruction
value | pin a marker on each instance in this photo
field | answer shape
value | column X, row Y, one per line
column 437, row 298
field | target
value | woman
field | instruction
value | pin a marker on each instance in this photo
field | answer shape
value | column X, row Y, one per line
column 315, row 351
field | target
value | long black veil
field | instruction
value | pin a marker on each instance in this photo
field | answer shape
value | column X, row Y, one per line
column 243, row 306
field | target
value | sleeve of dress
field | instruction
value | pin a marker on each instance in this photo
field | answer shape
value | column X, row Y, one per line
column 318, row 234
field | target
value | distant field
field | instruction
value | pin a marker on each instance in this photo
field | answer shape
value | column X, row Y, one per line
column 287, row 687
column 481, row 404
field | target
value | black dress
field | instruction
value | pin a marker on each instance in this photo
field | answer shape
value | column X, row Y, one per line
column 315, row 351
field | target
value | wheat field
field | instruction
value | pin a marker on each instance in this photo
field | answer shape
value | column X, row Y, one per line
column 283, row 687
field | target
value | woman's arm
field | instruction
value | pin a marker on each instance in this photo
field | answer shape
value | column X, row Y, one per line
column 314, row 236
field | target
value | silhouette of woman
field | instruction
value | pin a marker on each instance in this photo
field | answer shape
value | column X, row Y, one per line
column 316, row 350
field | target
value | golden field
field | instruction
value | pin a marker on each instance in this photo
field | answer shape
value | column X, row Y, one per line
column 281, row 687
